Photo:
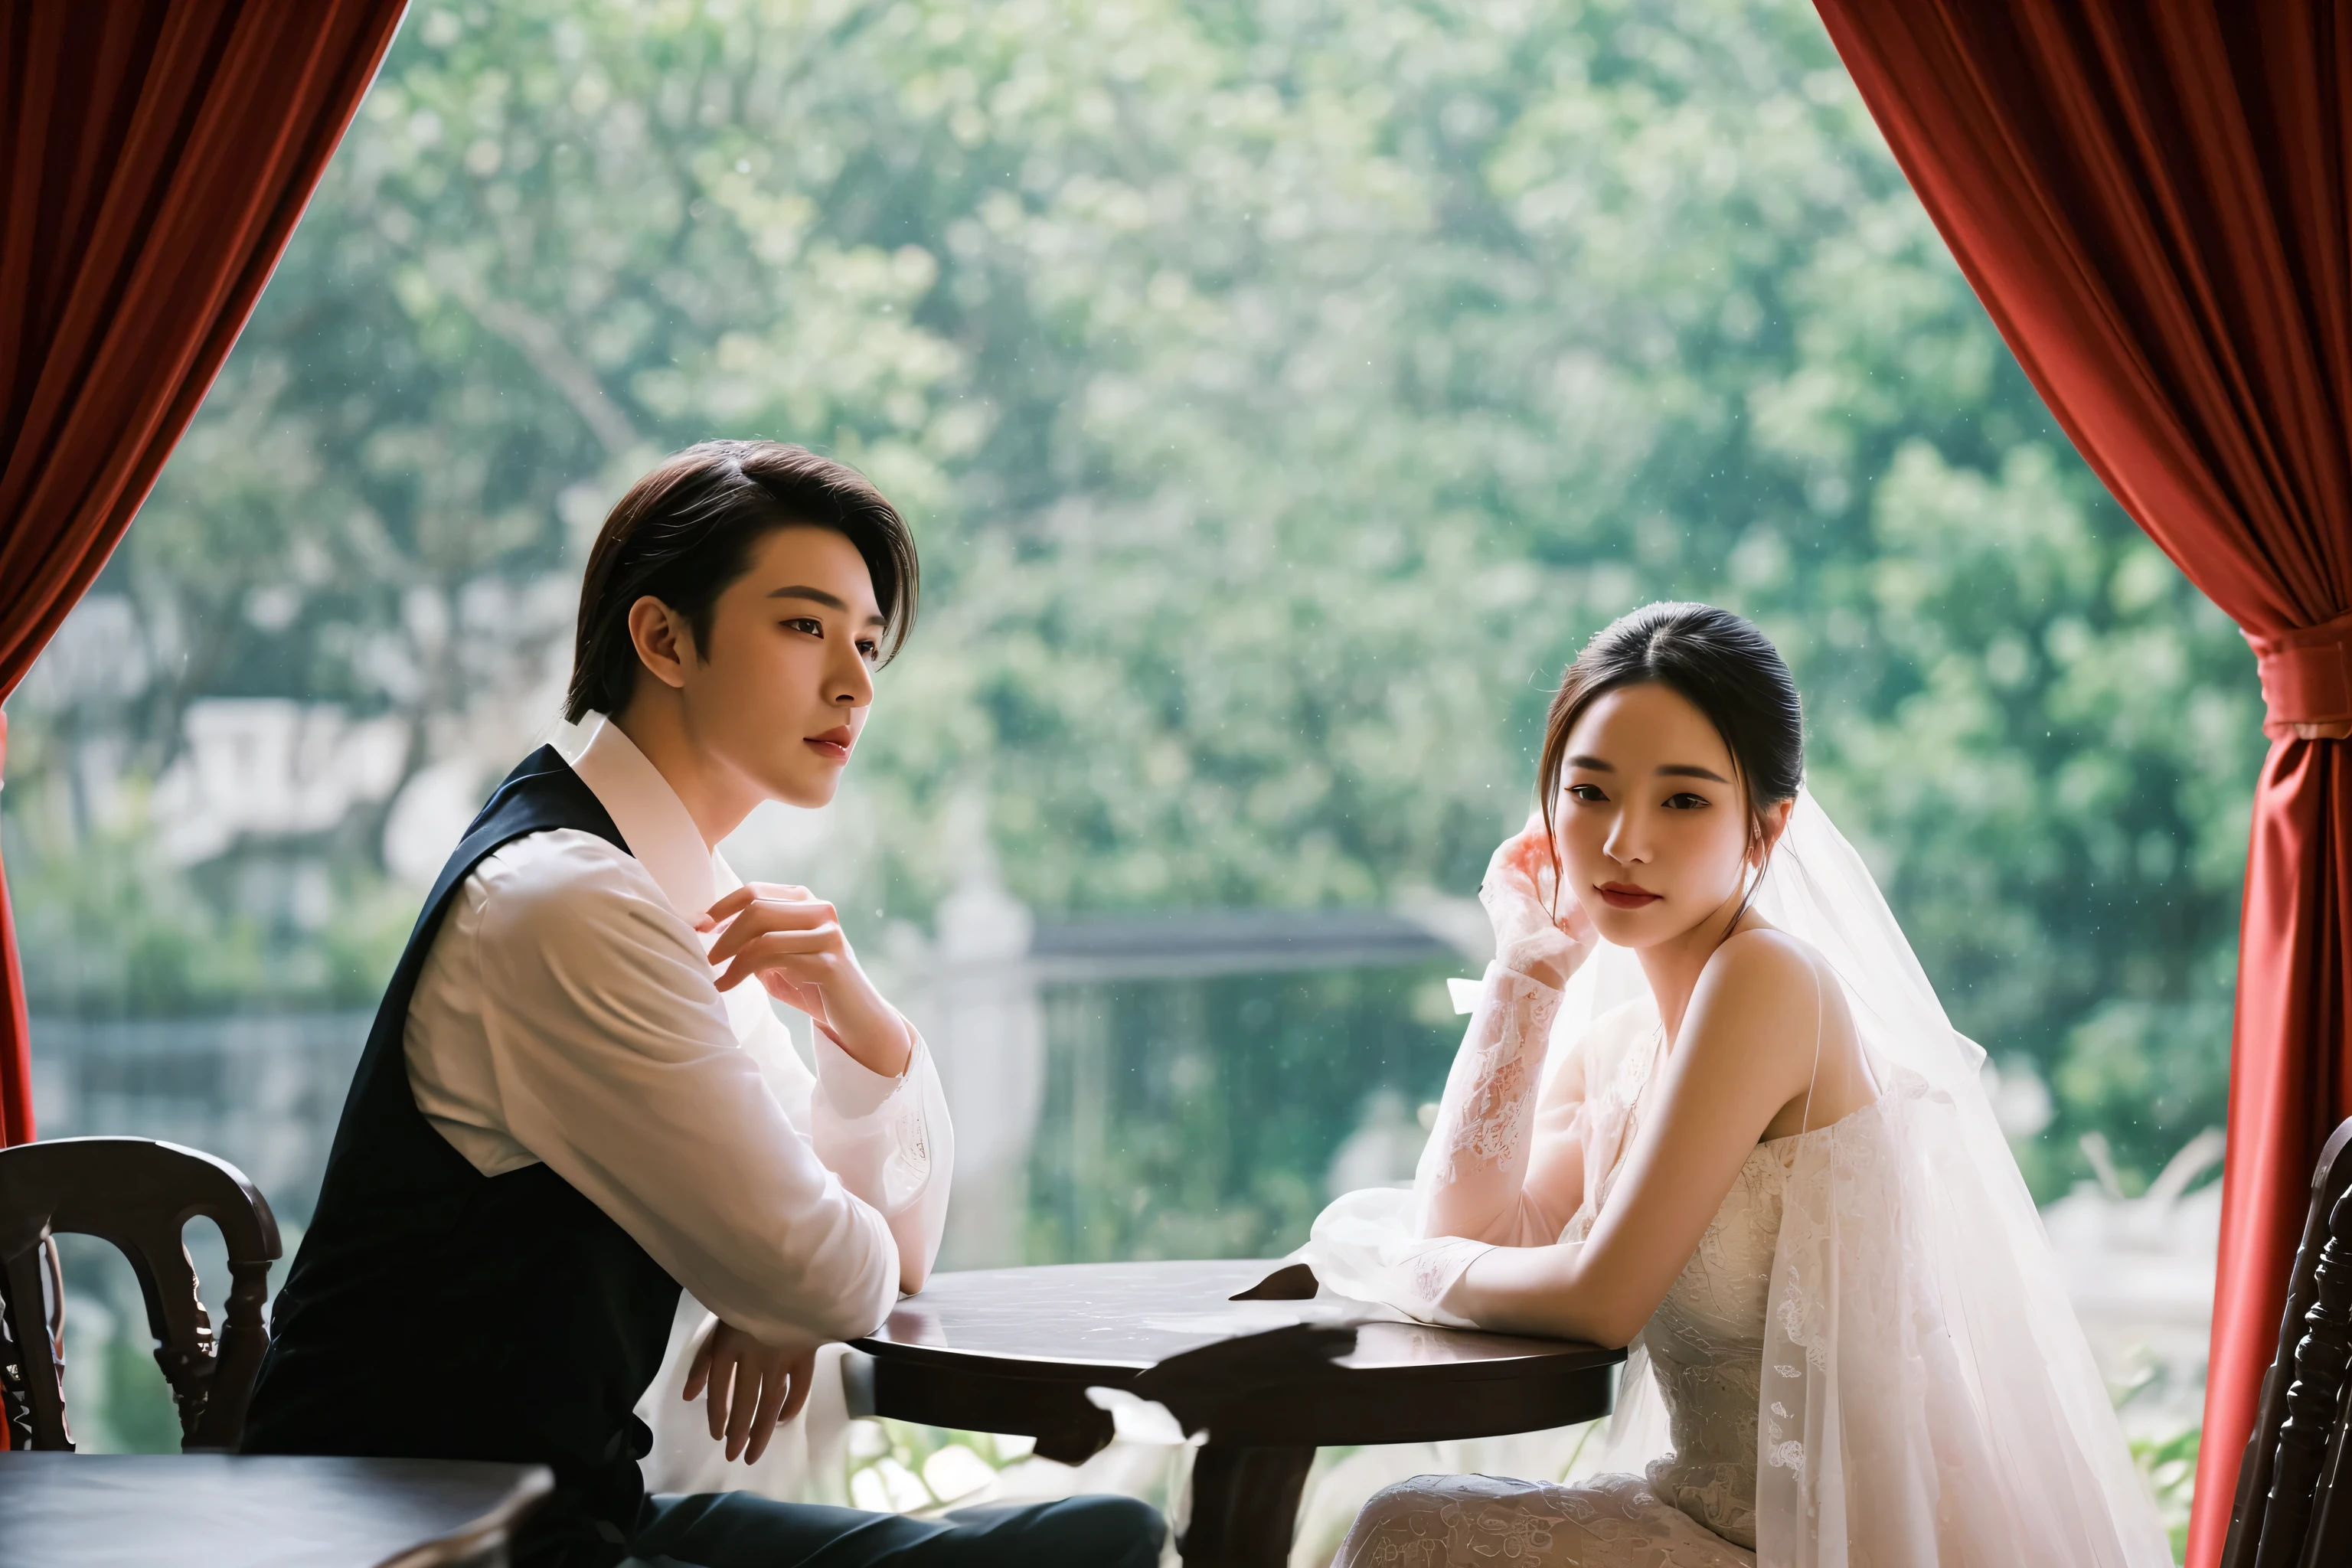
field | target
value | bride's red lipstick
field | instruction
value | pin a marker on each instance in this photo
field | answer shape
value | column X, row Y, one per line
column 1626, row 896
column 833, row 745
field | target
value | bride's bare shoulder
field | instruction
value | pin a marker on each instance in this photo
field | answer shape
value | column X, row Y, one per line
column 1764, row 971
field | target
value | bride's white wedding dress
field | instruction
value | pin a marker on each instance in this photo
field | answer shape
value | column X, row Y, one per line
column 1867, row 1363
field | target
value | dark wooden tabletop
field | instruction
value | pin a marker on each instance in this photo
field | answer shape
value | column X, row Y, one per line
column 1014, row 1349
column 98, row 1510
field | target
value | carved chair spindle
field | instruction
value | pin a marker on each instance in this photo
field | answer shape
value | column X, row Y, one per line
column 138, row 1195
column 2289, row 1512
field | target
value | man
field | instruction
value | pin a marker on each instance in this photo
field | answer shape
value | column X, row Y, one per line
column 575, row 1099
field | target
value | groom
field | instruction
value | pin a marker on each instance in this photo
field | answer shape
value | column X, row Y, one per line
column 568, row 1110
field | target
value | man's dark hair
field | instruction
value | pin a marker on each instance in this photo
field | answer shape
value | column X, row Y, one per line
column 686, row 530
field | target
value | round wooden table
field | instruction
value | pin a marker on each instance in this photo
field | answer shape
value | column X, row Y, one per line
column 1014, row 1349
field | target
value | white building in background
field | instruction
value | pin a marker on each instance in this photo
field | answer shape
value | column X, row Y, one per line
column 273, row 768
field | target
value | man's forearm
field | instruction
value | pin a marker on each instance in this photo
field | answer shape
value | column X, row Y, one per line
column 884, row 1047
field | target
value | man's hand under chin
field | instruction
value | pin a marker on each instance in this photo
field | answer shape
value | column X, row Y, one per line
column 792, row 940
column 754, row 1388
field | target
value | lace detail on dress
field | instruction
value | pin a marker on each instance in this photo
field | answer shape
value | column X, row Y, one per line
column 1705, row 1345
column 1485, row 1521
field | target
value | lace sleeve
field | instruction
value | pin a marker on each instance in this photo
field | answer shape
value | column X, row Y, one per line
column 1475, row 1163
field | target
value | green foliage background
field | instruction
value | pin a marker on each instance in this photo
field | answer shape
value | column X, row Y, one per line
column 1282, row 393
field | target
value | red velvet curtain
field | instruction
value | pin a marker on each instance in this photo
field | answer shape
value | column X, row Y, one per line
column 154, row 156
column 2149, row 197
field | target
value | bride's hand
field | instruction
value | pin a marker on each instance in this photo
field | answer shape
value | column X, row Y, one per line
column 1537, row 932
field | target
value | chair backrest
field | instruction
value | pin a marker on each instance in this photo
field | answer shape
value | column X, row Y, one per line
column 140, row 1194
column 2290, row 1511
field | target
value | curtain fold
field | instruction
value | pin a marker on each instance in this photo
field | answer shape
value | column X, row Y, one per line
column 2149, row 199
column 155, row 157
column 15, row 1038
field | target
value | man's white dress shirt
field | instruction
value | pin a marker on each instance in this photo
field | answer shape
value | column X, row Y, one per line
column 567, row 1012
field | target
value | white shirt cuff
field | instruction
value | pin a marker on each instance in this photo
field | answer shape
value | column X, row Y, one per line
column 856, row 1091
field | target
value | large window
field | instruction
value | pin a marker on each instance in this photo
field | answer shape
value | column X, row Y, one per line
column 1281, row 394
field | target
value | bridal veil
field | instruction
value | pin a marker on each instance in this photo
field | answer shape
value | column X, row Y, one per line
column 1927, row 1392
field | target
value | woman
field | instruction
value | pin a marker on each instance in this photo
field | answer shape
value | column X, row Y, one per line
column 1763, row 1161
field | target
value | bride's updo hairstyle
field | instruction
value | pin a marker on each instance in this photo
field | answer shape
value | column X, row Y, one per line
column 1717, row 662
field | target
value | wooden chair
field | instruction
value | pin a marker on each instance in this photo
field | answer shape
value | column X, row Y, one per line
column 2291, row 1511
column 138, row 1195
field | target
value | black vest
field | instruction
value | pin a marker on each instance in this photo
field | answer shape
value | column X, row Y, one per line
column 434, row 1312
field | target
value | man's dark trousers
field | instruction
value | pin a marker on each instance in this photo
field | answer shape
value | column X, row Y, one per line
column 738, row 1529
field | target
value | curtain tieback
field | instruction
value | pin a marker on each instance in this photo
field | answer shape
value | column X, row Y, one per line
column 2306, row 681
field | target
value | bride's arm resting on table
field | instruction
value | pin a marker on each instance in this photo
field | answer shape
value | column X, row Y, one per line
column 1746, row 1052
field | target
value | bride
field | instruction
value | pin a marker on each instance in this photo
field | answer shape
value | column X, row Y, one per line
column 1762, row 1160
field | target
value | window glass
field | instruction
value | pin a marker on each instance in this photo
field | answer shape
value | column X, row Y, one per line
column 1281, row 394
